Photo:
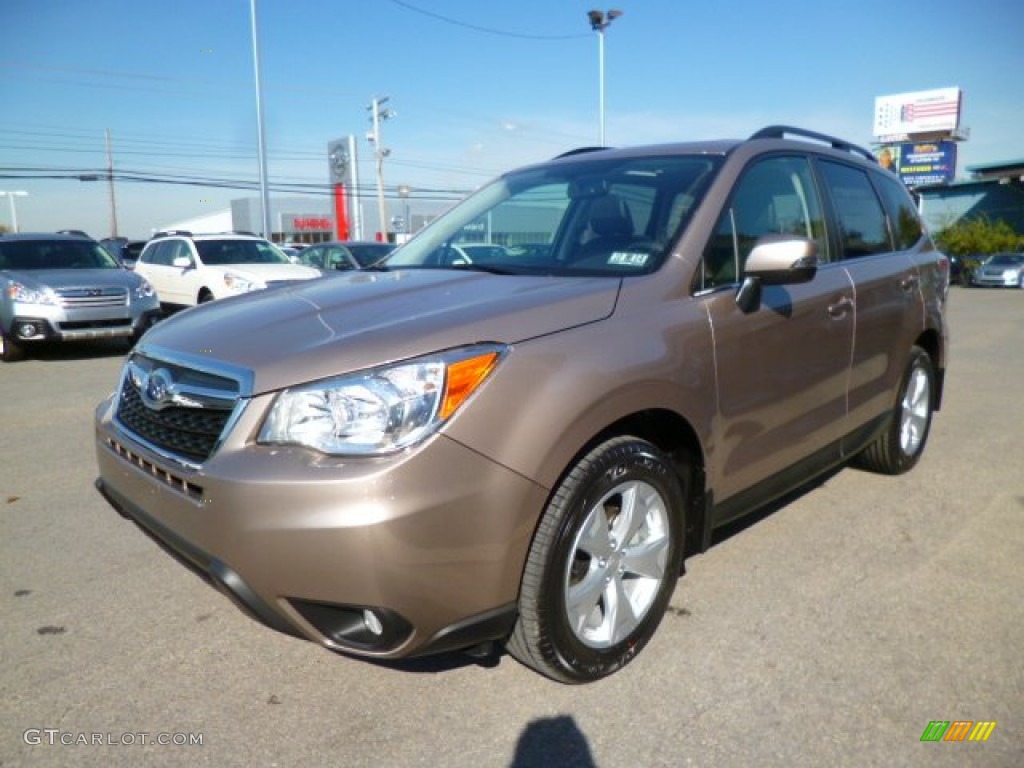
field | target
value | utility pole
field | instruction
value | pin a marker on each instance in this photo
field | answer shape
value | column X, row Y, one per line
column 378, row 114
column 110, row 186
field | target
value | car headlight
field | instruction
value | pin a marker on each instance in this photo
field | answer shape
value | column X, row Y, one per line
column 143, row 290
column 1011, row 274
column 20, row 292
column 239, row 284
column 381, row 410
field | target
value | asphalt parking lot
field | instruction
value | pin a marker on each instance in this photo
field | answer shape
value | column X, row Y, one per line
column 831, row 631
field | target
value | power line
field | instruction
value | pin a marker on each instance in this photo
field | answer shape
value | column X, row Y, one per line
column 477, row 28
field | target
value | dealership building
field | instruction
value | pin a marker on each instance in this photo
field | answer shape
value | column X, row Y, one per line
column 308, row 219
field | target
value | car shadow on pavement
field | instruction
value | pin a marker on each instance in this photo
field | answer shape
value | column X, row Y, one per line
column 488, row 658
column 729, row 530
column 80, row 350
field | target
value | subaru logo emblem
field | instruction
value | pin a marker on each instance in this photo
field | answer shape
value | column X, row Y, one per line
column 157, row 389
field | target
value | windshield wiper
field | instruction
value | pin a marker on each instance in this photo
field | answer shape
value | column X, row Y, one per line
column 491, row 269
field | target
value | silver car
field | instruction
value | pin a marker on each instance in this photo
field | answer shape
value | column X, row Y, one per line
column 67, row 288
column 1000, row 270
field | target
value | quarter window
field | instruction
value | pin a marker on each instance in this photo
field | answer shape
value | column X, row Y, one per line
column 906, row 226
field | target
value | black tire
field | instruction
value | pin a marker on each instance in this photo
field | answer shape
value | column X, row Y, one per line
column 899, row 448
column 205, row 297
column 581, row 640
column 9, row 351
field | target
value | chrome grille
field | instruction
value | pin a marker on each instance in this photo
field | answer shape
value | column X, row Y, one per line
column 177, row 411
column 88, row 298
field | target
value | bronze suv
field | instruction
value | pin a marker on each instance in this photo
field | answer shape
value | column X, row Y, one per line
column 513, row 431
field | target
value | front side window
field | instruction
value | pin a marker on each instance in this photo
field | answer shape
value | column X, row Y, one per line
column 594, row 216
column 775, row 196
column 862, row 228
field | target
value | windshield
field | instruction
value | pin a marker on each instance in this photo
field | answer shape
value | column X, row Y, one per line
column 221, row 252
column 610, row 216
column 1006, row 259
column 55, row 254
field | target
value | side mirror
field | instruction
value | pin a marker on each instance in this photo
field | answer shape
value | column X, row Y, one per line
column 182, row 262
column 776, row 260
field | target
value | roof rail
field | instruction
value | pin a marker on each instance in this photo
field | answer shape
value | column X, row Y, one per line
column 781, row 131
column 171, row 233
column 579, row 151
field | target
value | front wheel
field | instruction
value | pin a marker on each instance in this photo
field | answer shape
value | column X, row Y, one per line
column 9, row 351
column 898, row 449
column 603, row 563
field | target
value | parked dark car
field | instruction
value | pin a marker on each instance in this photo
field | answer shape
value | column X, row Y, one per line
column 344, row 254
column 124, row 250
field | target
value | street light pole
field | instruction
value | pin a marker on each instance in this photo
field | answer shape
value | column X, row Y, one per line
column 379, row 114
column 14, row 210
column 599, row 22
column 262, row 148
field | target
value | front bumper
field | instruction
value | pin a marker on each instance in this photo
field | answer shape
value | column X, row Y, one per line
column 431, row 542
column 1011, row 280
column 38, row 322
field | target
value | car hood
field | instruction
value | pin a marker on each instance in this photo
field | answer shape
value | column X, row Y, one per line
column 62, row 279
column 340, row 323
column 270, row 272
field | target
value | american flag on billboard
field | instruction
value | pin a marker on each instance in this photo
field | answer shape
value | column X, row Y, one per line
column 918, row 112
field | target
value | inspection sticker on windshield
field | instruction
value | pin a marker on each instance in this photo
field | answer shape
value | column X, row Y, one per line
column 626, row 259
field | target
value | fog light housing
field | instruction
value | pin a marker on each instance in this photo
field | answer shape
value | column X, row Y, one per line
column 372, row 622
column 27, row 330
column 355, row 627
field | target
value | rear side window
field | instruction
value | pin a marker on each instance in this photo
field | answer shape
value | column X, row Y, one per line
column 862, row 227
column 906, row 226
column 774, row 196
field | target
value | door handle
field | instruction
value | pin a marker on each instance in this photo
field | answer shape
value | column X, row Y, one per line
column 910, row 283
column 840, row 308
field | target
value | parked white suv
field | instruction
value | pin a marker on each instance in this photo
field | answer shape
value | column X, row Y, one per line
column 187, row 269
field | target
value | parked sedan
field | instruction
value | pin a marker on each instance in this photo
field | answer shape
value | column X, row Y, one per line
column 56, row 287
column 345, row 254
column 1000, row 270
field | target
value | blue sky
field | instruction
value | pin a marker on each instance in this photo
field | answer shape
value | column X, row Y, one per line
column 478, row 87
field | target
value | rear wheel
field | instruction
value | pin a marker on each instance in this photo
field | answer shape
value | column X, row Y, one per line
column 205, row 297
column 603, row 563
column 898, row 449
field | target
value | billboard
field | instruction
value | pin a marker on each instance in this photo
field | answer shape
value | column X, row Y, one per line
column 922, row 163
column 904, row 114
